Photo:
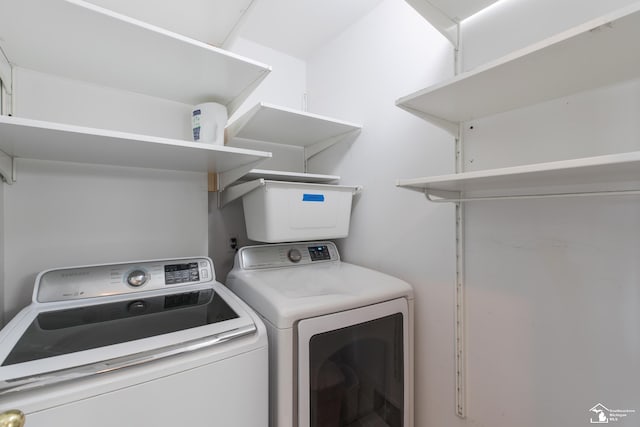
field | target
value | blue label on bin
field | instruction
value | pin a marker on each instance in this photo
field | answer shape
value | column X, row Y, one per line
column 313, row 197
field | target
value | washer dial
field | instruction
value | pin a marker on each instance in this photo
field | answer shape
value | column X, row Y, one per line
column 294, row 255
column 137, row 278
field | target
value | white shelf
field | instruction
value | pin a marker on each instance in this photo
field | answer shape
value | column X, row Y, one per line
column 598, row 53
column 445, row 15
column 59, row 142
column 81, row 41
column 272, row 175
column 613, row 172
column 270, row 123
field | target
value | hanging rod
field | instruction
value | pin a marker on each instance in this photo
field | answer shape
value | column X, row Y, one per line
column 529, row 196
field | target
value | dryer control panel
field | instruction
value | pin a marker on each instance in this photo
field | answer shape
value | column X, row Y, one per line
column 286, row 255
column 117, row 279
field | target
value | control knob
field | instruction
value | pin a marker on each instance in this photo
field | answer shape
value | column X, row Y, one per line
column 294, row 255
column 137, row 278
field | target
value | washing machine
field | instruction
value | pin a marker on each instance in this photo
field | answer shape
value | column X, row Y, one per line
column 154, row 343
column 340, row 336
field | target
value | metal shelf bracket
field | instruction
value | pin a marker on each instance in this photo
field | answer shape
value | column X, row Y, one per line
column 224, row 179
column 7, row 168
column 459, row 310
column 235, row 192
column 319, row 146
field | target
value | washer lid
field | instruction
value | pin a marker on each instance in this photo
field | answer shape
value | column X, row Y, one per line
column 285, row 295
column 55, row 342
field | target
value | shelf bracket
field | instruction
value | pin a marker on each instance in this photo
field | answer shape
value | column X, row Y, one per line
column 315, row 148
column 222, row 180
column 234, row 192
column 441, row 195
column 445, row 25
column 7, row 168
column 451, row 127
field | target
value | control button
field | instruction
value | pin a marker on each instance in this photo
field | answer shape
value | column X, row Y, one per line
column 294, row 255
column 137, row 278
column 204, row 274
column 203, row 263
column 137, row 307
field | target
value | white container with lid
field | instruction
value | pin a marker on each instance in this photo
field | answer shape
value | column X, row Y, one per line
column 278, row 211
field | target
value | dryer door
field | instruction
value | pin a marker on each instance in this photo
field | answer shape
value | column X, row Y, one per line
column 352, row 367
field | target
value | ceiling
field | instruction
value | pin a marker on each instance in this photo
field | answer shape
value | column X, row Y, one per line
column 295, row 27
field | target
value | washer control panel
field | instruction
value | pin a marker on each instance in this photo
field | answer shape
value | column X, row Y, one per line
column 286, row 255
column 115, row 279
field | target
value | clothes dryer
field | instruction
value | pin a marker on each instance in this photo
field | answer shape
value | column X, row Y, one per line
column 153, row 343
column 340, row 336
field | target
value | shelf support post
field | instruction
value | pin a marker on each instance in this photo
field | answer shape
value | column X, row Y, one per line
column 459, row 343
column 6, row 84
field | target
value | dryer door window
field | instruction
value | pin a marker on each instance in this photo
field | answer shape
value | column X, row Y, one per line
column 352, row 372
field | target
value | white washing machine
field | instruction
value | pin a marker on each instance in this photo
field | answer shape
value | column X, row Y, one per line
column 153, row 343
column 340, row 336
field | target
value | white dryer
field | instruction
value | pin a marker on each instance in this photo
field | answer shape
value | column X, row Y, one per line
column 153, row 343
column 340, row 336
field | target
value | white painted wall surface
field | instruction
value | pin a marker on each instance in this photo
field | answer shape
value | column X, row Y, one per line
column 553, row 286
column 357, row 77
column 60, row 214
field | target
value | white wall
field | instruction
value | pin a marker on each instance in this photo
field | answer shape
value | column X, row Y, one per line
column 357, row 77
column 552, row 286
column 59, row 214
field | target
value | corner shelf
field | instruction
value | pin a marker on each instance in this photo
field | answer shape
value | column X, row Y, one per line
column 279, row 125
column 589, row 175
column 77, row 40
column 591, row 55
column 25, row 138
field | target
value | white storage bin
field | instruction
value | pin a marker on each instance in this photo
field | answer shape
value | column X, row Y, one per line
column 277, row 211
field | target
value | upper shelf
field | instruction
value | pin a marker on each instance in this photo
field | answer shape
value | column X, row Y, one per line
column 595, row 54
column 280, row 125
column 445, row 15
column 53, row 141
column 213, row 22
column 81, row 41
column 586, row 174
